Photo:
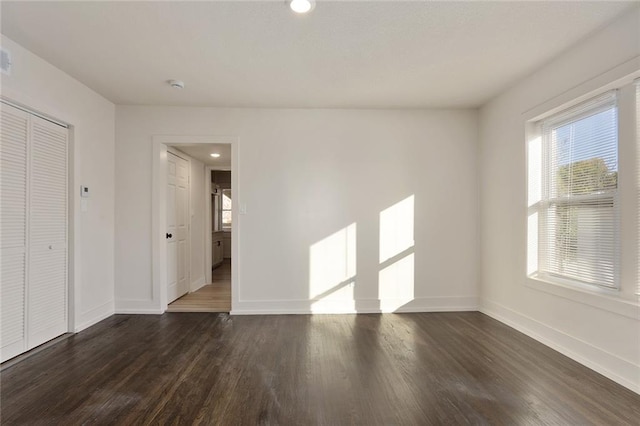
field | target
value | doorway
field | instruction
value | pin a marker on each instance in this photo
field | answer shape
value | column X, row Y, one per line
column 211, row 272
column 220, row 217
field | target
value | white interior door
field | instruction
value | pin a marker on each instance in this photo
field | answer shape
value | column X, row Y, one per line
column 177, row 227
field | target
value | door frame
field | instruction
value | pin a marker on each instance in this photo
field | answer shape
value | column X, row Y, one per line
column 159, row 213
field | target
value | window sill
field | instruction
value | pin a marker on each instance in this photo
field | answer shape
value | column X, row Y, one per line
column 608, row 300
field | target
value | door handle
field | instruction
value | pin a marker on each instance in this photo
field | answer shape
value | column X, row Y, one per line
column 169, row 235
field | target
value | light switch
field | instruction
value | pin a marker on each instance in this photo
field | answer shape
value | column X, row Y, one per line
column 243, row 208
column 84, row 204
column 84, row 191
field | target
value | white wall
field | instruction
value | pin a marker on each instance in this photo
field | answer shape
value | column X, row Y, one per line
column 305, row 175
column 41, row 87
column 607, row 340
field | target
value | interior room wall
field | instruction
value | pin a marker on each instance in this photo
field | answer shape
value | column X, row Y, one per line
column 38, row 85
column 606, row 340
column 316, row 183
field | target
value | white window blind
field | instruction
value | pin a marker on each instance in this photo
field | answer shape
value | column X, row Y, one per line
column 578, row 229
column 226, row 208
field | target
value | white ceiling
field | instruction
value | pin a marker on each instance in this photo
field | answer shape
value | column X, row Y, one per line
column 203, row 153
column 343, row 54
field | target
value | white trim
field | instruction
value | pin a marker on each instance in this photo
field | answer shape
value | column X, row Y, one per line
column 95, row 315
column 73, row 295
column 30, row 111
column 597, row 297
column 612, row 79
column 597, row 359
column 158, row 215
column 208, row 254
column 359, row 306
column 136, row 306
column 132, row 311
column 13, row 350
column 197, row 284
column 186, row 157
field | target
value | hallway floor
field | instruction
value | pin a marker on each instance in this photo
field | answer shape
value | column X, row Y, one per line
column 214, row 297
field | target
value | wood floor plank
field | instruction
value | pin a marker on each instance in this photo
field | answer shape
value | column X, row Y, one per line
column 215, row 297
column 386, row 369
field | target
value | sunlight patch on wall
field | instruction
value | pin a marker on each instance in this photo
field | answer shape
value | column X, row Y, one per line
column 332, row 271
column 396, row 284
column 396, row 276
column 396, row 229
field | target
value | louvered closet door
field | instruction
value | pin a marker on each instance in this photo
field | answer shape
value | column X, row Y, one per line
column 47, row 242
column 14, row 128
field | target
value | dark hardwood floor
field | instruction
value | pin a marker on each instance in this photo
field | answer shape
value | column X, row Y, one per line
column 404, row 369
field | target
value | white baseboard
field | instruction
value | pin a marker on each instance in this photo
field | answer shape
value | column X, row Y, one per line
column 609, row 365
column 197, row 284
column 361, row 306
column 139, row 311
column 95, row 315
column 147, row 306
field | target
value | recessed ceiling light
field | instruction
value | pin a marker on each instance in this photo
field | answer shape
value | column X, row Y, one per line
column 215, row 155
column 302, row 6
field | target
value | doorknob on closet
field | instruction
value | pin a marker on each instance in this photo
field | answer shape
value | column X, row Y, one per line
column 169, row 235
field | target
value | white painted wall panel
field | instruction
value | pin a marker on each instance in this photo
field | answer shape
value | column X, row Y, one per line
column 305, row 175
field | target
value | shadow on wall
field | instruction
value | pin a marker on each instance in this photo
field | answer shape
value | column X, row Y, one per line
column 333, row 271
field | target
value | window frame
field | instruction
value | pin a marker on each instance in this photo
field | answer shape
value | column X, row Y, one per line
column 624, row 301
column 548, row 201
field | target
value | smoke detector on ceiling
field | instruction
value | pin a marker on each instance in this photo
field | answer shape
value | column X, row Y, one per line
column 176, row 84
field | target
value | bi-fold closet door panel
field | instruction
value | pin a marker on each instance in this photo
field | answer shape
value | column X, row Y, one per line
column 14, row 134
column 47, row 284
column 34, row 221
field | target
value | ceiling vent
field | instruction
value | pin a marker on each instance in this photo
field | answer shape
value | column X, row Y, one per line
column 5, row 61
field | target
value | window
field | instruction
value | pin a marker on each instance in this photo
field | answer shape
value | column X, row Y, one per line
column 573, row 195
column 226, row 209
